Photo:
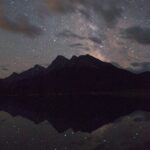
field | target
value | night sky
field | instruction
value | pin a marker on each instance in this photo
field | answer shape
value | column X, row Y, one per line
column 36, row 31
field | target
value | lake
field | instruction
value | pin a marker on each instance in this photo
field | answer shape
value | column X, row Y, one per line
column 130, row 131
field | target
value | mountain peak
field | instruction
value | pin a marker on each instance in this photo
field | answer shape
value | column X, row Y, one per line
column 89, row 58
column 14, row 74
column 77, row 61
column 87, row 55
column 38, row 67
column 74, row 57
column 81, row 56
column 59, row 61
column 88, row 61
column 60, row 57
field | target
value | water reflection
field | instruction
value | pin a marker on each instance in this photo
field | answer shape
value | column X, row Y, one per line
column 18, row 133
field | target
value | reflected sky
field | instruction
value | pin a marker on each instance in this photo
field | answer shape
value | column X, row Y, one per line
column 132, row 131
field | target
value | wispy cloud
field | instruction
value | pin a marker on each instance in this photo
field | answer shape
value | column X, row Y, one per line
column 4, row 68
column 79, row 46
column 108, row 10
column 22, row 24
column 70, row 34
column 137, row 33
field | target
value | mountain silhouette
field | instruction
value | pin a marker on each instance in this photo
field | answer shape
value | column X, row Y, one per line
column 82, row 93
column 83, row 74
column 32, row 72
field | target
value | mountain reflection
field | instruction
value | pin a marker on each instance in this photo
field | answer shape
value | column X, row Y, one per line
column 19, row 133
column 130, row 131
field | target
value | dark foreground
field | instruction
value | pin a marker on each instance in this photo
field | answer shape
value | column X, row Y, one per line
column 80, row 112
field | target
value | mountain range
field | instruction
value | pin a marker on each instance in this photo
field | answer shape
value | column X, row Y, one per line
column 83, row 74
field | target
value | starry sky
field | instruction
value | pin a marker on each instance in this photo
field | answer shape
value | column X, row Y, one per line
column 36, row 31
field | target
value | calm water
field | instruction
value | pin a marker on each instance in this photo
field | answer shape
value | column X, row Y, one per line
column 19, row 133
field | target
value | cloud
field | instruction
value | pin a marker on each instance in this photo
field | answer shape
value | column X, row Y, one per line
column 137, row 33
column 140, row 67
column 141, row 64
column 62, row 5
column 95, row 40
column 79, row 46
column 76, row 45
column 70, row 34
column 111, row 15
column 85, row 13
column 108, row 9
column 20, row 25
column 4, row 68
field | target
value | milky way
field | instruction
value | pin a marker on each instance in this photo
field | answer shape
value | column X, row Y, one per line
column 35, row 32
